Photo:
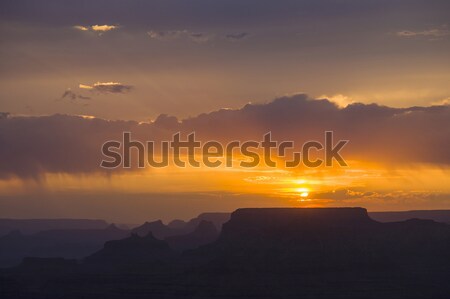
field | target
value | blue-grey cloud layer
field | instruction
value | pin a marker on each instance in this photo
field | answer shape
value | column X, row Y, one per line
column 181, row 12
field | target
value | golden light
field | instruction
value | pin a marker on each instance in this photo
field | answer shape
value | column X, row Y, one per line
column 300, row 182
column 304, row 192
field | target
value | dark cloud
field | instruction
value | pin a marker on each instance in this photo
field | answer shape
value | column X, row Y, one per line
column 167, row 122
column 30, row 146
column 107, row 87
column 438, row 32
column 70, row 95
column 175, row 34
column 200, row 37
column 237, row 36
column 4, row 115
column 166, row 35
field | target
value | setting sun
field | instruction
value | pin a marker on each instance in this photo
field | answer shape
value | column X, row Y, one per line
column 304, row 192
column 224, row 149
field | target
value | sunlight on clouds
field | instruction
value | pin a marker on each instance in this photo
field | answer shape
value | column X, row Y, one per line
column 86, row 116
column 107, row 87
column 83, row 86
column 103, row 27
column 96, row 28
column 441, row 102
column 339, row 99
column 82, row 28
column 370, row 187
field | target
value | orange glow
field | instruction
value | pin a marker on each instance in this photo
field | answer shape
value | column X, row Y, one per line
column 359, row 185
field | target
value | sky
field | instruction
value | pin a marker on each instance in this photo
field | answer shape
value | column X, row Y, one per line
column 74, row 74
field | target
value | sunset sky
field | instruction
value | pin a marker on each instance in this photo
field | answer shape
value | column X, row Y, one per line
column 74, row 74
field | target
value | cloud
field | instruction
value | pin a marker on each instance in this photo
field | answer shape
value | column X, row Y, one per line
column 340, row 99
column 387, row 196
column 103, row 28
column 107, row 87
column 237, row 36
column 165, row 35
column 30, row 146
column 198, row 37
column 432, row 33
column 70, row 95
column 340, row 194
column 81, row 28
column 442, row 102
column 96, row 28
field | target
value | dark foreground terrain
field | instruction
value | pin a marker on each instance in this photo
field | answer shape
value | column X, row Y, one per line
column 78, row 238
column 260, row 253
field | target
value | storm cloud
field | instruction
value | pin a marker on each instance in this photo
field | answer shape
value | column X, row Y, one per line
column 31, row 146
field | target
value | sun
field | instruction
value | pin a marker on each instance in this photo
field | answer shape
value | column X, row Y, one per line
column 303, row 192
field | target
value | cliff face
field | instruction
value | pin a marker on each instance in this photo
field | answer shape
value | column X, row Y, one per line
column 158, row 229
column 218, row 219
column 204, row 233
column 296, row 240
column 132, row 250
column 288, row 221
column 282, row 216
column 261, row 253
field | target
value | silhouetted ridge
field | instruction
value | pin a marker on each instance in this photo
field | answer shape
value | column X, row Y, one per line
column 436, row 215
column 218, row 219
column 205, row 227
column 158, row 229
column 177, row 224
column 134, row 249
column 288, row 237
column 294, row 219
column 260, row 253
column 205, row 233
